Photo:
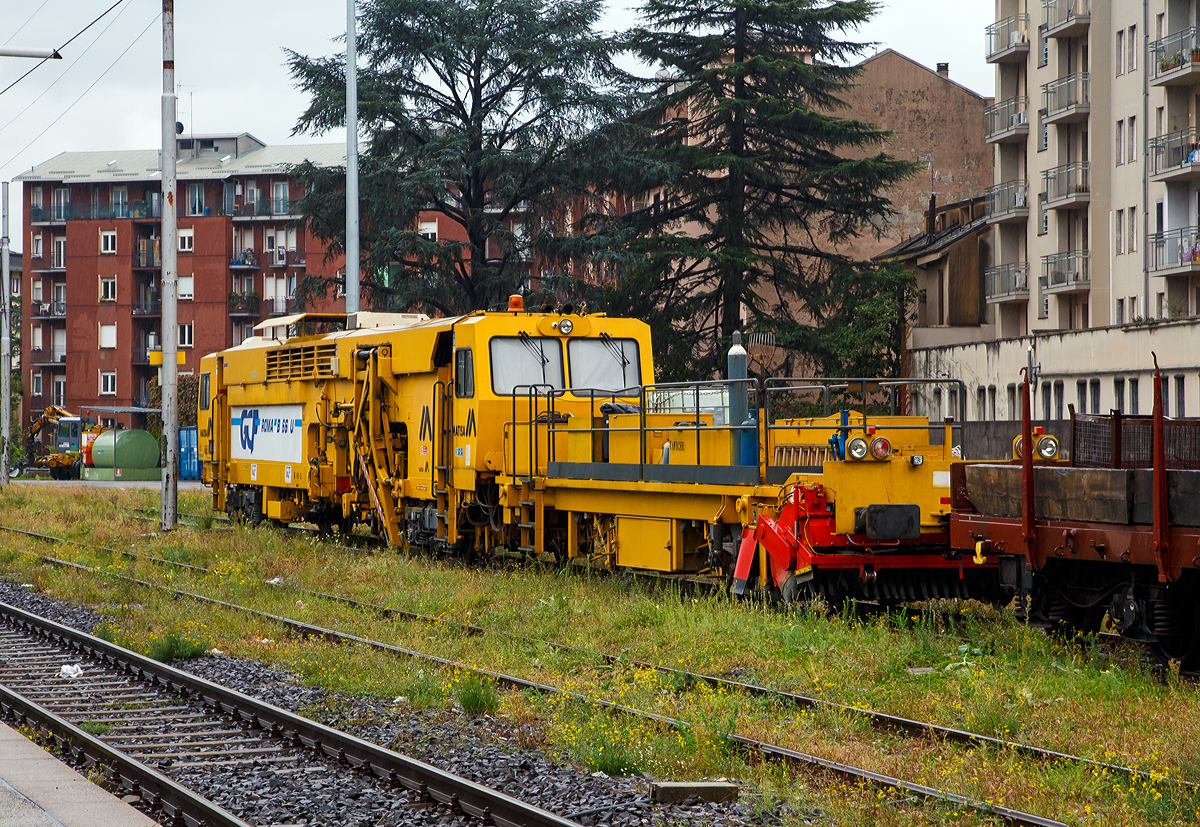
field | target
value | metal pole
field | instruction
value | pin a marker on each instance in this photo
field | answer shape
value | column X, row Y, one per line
column 170, row 286
column 5, row 345
column 351, row 160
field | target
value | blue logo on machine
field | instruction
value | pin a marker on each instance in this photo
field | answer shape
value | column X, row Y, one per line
column 248, row 428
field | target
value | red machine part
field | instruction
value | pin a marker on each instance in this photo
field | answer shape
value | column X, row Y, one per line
column 803, row 537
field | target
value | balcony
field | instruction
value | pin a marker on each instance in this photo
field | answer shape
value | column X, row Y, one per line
column 49, row 310
column 267, row 208
column 1007, row 40
column 60, row 214
column 1007, row 122
column 1007, row 283
column 1175, row 157
column 244, row 304
column 49, row 357
column 150, row 305
column 148, row 254
column 281, row 305
column 1068, row 272
column 277, row 258
column 1067, row 187
column 1175, row 252
column 1007, row 202
column 1175, row 60
column 245, row 260
column 141, row 353
column 1066, row 18
column 1067, row 100
column 55, row 263
column 296, row 258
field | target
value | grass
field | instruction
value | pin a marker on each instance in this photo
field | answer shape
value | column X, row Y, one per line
column 1009, row 681
column 95, row 728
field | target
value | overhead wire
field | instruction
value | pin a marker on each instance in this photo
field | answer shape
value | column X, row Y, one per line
column 65, row 45
column 26, row 23
column 85, row 91
column 74, row 63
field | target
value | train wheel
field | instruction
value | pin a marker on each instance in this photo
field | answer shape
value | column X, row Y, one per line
column 1179, row 620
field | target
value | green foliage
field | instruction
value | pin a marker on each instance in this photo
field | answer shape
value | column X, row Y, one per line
column 473, row 110
column 761, row 173
column 176, row 645
column 95, row 728
column 188, row 391
column 477, row 696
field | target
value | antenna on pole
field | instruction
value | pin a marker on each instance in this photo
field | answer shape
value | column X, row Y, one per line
column 351, row 160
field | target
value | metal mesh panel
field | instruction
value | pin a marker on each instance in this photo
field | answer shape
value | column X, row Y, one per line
column 1092, row 443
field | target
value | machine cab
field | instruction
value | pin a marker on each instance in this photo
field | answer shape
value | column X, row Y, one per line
column 69, row 430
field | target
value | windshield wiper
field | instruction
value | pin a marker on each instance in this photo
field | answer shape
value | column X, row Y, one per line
column 617, row 352
column 536, row 349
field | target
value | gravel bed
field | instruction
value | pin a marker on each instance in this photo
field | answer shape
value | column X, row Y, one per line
column 481, row 748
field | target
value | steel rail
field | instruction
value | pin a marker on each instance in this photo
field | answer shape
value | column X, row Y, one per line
column 883, row 720
column 748, row 746
column 425, row 779
column 181, row 805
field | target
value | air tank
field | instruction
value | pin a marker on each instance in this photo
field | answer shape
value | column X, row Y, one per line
column 125, row 449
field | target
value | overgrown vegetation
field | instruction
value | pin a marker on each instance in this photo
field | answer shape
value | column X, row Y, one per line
column 961, row 665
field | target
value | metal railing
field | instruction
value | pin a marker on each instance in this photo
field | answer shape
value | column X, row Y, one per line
column 281, row 305
column 1060, row 95
column 147, row 306
column 1006, row 198
column 246, row 258
column 244, row 304
column 1067, row 180
column 1179, row 49
column 1006, row 115
column 1006, row 280
column 1058, row 12
column 277, row 257
column 148, row 253
column 56, row 309
column 1174, row 150
column 265, row 208
column 1006, row 33
column 1066, row 271
column 296, row 258
column 1175, row 248
column 141, row 353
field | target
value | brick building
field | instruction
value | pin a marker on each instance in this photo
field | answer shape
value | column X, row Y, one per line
column 93, row 240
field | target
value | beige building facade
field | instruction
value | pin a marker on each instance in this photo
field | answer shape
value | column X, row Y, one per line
column 1094, row 210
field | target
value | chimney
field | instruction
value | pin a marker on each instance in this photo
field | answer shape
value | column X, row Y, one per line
column 944, row 70
column 931, row 218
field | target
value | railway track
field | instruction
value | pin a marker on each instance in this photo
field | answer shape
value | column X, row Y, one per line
column 752, row 748
column 158, row 732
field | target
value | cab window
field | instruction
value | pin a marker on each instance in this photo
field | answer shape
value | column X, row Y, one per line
column 604, row 364
column 521, row 361
column 464, row 373
column 204, row 400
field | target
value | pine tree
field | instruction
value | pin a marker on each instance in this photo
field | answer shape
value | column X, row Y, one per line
column 473, row 110
column 767, row 179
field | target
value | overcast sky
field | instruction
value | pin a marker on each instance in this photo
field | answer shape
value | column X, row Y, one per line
column 105, row 92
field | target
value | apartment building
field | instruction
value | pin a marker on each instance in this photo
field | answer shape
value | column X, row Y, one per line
column 1094, row 210
column 93, row 240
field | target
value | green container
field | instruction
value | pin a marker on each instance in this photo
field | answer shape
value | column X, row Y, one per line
column 125, row 449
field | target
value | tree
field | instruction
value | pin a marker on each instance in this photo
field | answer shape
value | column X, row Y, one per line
column 767, row 178
column 474, row 110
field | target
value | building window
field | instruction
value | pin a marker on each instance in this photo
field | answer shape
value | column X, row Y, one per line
column 1120, row 311
column 35, row 198
column 279, row 198
column 1133, row 48
column 1045, row 400
column 1081, row 393
column 185, row 286
column 108, row 289
column 992, row 402
column 1180, row 392
column 1043, row 299
column 1044, row 226
column 37, row 290
column 1119, row 232
column 1044, row 54
column 1160, row 306
column 60, row 252
column 1012, row 402
column 187, row 240
column 1133, row 397
column 428, row 230
column 981, row 403
column 1120, row 154
column 1095, row 386
column 1119, row 395
column 1044, row 143
column 1132, row 139
column 35, row 381
column 120, row 202
column 37, row 245
column 108, row 383
column 185, row 335
column 62, row 204
column 1133, row 311
column 108, row 242
column 1120, row 52
column 196, row 198
column 1059, row 392
column 1132, row 215
column 108, row 336
column 1166, row 396
column 60, row 391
